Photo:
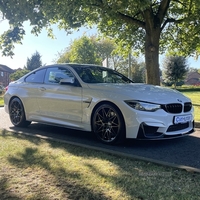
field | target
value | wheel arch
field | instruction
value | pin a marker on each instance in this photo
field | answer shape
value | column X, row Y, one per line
column 21, row 115
column 110, row 103
column 12, row 99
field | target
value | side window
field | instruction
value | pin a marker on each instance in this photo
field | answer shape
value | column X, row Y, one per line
column 36, row 77
column 54, row 75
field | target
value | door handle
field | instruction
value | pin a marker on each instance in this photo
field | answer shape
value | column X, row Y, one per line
column 42, row 88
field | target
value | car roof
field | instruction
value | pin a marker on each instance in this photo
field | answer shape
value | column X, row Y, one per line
column 72, row 65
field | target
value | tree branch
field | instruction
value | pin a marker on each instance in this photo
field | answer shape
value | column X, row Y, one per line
column 162, row 10
column 122, row 16
column 172, row 20
column 131, row 19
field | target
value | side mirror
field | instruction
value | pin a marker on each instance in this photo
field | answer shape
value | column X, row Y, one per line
column 70, row 80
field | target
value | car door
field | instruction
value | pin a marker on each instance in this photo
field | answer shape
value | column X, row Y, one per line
column 60, row 103
column 29, row 92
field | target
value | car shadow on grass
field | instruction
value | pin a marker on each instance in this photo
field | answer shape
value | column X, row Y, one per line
column 33, row 167
column 180, row 151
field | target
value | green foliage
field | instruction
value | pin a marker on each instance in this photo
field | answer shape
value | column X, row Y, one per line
column 83, row 51
column 34, row 62
column 192, row 69
column 105, row 47
column 87, row 50
column 9, row 38
column 138, row 72
column 63, row 57
column 119, row 63
column 137, row 69
column 18, row 74
column 150, row 27
column 175, row 69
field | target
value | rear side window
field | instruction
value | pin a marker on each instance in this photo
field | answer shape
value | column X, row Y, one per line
column 36, row 77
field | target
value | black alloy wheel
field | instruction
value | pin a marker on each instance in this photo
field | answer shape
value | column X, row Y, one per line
column 108, row 124
column 17, row 114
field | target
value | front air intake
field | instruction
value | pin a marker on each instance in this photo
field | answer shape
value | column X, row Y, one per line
column 187, row 106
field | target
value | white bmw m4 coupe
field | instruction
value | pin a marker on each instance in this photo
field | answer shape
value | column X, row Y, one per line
column 98, row 99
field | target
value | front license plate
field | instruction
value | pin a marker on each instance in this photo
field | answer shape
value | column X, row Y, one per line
column 182, row 119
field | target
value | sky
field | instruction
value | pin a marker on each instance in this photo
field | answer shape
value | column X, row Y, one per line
column 47, row 47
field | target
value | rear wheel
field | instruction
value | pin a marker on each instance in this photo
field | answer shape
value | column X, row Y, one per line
column 17, row 113
column 108, row 124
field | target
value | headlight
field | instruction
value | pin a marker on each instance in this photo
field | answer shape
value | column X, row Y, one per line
column 143, row 106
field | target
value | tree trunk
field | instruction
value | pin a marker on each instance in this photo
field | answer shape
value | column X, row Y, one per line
column 152, row 52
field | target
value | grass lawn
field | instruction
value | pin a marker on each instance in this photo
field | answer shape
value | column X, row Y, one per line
column 34, row 168
column 195, row 97
column 1, row 100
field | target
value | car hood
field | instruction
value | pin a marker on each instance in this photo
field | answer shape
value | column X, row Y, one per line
column 143, row 92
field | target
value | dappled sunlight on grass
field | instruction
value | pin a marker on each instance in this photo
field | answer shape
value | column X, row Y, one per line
column 33, row 168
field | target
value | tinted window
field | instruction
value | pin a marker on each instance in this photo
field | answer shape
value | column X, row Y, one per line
column 95, row 74
column 54, row 75
column 36, row 77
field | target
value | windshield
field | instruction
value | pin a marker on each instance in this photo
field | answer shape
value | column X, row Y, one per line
column 95, row 74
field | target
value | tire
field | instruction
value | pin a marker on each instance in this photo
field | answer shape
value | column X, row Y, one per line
column 17, row 113
column 108, row 124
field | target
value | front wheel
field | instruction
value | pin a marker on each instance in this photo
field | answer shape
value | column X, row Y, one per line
column 108, row 124
column 17, row 113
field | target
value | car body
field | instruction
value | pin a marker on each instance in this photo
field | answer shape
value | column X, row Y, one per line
column 98, row 99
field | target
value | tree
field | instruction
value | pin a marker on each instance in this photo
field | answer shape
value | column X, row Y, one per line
column 81, row 50
column 138, row 72
column 119, row 63
column 87, row 50
column 147, row 26
column 104, row 47
column 193, row 69
column 34, row 62
column 18, row 74
column 175, row 69
column 63, row 57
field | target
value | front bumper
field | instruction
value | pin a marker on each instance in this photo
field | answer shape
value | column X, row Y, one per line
column 157, row 125
column 153, row 133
